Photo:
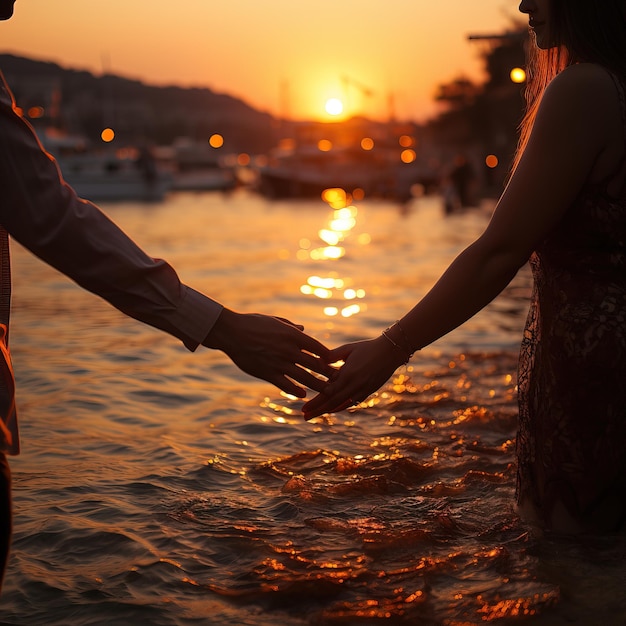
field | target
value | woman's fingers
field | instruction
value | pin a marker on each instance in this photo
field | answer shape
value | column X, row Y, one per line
column 367, row 365
column 288, row 386
column 320, row 405
column 331, row 399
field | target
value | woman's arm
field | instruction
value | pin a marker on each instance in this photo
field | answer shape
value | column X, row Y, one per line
column 571, row 134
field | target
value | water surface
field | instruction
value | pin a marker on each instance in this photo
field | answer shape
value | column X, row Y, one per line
column 162, row 487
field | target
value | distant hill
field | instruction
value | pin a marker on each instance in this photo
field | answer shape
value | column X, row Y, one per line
column 79, row 101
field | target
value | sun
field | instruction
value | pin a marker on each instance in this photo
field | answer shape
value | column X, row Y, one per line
column 334, row 106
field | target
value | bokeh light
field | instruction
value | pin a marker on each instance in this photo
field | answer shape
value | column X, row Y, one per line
column 408, row 156
column 216, row 141
column 107, row 135
column 35, row 112
column 518, row 75
column 491, row 161
column 367, row 143
column 335, row 196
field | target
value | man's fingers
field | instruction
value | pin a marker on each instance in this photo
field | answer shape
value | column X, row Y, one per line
column 289, row 387
column 316, row 364
column 313, row 346
column 290, row 323
column 306, row 378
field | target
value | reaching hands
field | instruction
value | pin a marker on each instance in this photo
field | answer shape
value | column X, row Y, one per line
column 277, row 351
column 273, row 349
column 368, row 365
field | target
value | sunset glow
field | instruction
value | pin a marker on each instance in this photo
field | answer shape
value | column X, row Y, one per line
column 334, row 106
column 265, row 54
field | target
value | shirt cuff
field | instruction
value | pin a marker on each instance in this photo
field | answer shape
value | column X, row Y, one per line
column 195, row 317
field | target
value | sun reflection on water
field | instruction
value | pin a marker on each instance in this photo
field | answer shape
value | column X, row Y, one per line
column 342, row 222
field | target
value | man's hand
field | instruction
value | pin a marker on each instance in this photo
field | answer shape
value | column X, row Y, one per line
column 272, row 349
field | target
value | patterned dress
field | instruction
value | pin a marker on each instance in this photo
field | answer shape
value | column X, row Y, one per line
column 571, row 444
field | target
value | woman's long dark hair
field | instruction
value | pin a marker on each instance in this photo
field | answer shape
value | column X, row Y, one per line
column 587, row 31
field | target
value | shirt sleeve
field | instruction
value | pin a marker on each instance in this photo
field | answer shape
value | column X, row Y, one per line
column 40, row 211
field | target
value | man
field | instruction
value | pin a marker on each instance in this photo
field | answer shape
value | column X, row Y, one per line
column 38, row 209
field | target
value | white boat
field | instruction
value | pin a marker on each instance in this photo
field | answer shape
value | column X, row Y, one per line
column 101, row 177
column 126, row 174
column 194, row 166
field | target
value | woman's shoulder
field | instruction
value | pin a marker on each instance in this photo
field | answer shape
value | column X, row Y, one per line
column 588, row 100
column 585, row 91
column 586, row 81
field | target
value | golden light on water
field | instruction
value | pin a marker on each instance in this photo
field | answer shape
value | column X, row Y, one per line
column 327, row 283
column 351, row 310
column 335, row 196
column 518, row 75
column 351, row 294
column 330, row 237
column 346, row 213
column 342, row 221
column 331, row 252
column 324, row 294
column 343, row 224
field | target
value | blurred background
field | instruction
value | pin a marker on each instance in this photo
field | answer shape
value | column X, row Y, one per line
column 393, row 101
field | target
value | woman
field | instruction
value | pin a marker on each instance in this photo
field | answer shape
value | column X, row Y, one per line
column 564, row 208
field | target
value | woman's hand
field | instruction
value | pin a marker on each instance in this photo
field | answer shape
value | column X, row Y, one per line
column 368, row 365
column 272, row 349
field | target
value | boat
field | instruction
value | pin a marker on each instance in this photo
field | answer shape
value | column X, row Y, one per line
column 108, row 175
column 194, row 166
column 352, row 156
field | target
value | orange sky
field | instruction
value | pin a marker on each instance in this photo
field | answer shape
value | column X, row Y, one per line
column 280, row 56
